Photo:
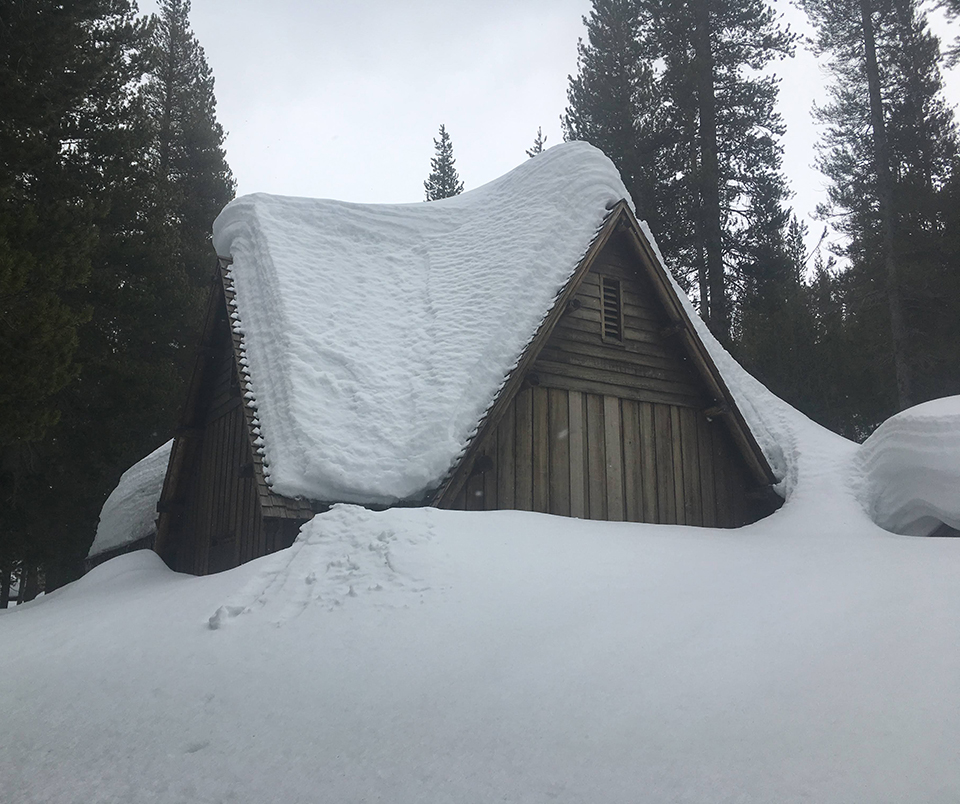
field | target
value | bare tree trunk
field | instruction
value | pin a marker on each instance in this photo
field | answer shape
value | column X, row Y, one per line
column 898, row 329
column 4, row 584
column 22, row 587
column 719, row 318
column 29, row 583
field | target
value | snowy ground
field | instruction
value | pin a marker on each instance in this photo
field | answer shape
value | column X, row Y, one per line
column 421, row 655
column 437, row 656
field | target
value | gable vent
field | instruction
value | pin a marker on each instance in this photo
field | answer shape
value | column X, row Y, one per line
column 612, row 309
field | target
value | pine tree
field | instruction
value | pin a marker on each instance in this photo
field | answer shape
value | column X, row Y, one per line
column 775, row 328
column 51, row 62
column 676, row 94
column 613, row 101
column 153, row 269
column 67, row 79
column 443, row 181
column 890, row 151
column 538, row 144
column 187, row 159
column 141, row 190
column 721, row 109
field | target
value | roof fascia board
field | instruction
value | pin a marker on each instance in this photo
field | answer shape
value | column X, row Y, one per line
column 700, row 355
column 272, row 505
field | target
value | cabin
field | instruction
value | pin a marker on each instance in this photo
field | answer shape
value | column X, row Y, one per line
column 521, row 346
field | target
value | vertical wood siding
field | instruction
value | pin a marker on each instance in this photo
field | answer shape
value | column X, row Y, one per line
column 222, row 524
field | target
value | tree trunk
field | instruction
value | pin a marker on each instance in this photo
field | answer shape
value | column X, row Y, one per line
column 29, row 583
column 4, row 584
column 719, row 318
column 881, row 149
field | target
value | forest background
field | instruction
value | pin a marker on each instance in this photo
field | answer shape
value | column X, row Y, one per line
column 112, row 168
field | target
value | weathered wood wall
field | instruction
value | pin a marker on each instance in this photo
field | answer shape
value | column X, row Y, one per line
column 222, row 523
column 612, row 430
column 222, row 509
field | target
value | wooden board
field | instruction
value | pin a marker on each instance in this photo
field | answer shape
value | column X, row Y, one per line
column 524, row 450
column 541, row 450
column 648, row 462
column 578, row 454
column 506, row 461
column 693, row 499
column 559, row 437
column 614, row 458
column 676, row 442
column 707, row 488
column 663, row 437
column 632, row 464
column 596, row 459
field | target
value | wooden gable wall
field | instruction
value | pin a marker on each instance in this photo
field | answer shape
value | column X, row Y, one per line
column 216, row 509
column 613, row 430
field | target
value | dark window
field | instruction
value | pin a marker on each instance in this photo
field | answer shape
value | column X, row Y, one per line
column 612, row 309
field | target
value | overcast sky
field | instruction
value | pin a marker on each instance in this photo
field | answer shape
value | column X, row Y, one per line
column 342, row 100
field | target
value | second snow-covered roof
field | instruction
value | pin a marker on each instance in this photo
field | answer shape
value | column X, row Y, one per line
column 377, row 335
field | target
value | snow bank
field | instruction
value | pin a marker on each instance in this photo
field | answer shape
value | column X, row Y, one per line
column 377, row 335
column 130, row 512
column 910, row 469
column 425, row 656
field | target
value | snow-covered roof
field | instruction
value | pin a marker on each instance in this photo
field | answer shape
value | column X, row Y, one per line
column 911, row 469
column 376, row 336
column 130, row 512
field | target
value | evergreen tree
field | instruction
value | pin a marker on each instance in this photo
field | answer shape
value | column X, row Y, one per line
column 61, row 77
column 192, row 179
column 890, row 151
column 776, row 333
column 676, row 94
column 154, row 268
column 67, row 78
column 443, row 181
column 538, row 144
column 721, row 111
column 141, row 190
column 614, row 104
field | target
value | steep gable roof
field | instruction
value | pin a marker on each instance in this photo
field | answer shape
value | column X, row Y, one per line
column 376, row 336
column 376, row 342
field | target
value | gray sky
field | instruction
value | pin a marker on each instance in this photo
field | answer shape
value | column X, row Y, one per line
column 342, row 100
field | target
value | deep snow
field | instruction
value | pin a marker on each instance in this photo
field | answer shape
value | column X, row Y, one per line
column 910, row 469
column 419, row 655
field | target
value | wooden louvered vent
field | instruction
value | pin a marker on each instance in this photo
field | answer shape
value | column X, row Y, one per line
column 612, row 309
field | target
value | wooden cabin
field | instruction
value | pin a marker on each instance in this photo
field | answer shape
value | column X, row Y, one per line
column 615, row 410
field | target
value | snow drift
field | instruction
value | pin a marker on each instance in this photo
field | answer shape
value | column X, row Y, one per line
column 910, row 469
column 418, row 655
column 130, row 512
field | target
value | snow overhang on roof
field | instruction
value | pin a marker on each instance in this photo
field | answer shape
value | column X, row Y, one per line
column 376, row 336
column 130, row 512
